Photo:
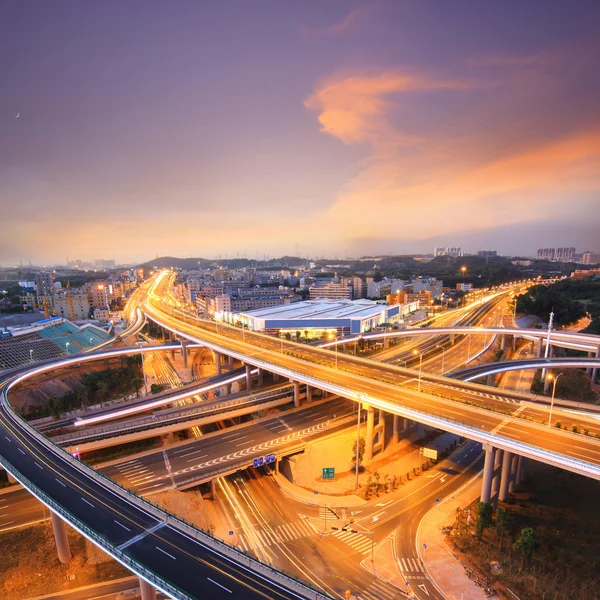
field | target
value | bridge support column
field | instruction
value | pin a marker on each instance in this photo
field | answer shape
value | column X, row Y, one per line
column 218, row 363
column 213, row 489
column 497, row 474
column 379, row 433
column 396, row 429
column 513, row 473
column 490, row 379
column 488, row 473
column 452, row 339
column 11, row 479
column 261, row 377
column 147, row 592
column 502, row 342
column 506, row 475
column 514, row 342
column 370, row 426
column 308, row 394
column 296, row 393
column 184, row 353
column 230, row 362
column 275, row 377
column 540, row 351
column 595, row 369
column 520, row 471
column 248, row 377
column 60, row 537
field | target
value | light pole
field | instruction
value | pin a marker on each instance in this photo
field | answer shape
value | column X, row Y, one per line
column 31, row 354
column 333, row 336
column 554, row 379
column 443, row 352
column 415, row 352
column 91, row 340
column 68, row 344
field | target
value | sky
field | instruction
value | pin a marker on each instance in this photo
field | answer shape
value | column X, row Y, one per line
column 131, row 129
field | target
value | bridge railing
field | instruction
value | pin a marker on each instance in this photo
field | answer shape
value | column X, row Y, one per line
column 203, row 538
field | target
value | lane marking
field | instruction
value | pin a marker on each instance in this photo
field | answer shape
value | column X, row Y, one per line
column 88, row 502
column 59, row 481
column 121, row 525
column 164, row 552
column 21, row 451
column 38, row 466
column 218, row 584
column 8, row 438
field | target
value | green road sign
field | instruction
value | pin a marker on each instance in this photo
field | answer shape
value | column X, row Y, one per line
column 329, row 473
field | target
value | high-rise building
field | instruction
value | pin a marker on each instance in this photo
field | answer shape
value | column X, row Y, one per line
column 556, row 254
column 453, row 251
column 43, row 283
column 591, row 258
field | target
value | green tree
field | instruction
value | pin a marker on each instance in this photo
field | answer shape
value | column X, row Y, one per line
column 156, row 388
column 136, row 384
column 485, row 513
column 361, row 452
column 525, row 543
column 504, row 520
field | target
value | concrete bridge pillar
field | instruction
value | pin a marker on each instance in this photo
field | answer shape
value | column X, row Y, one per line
column 261, row 377
column 490, row 379
column 502, row 342
column 513, row 473
column 296, row 393
column 520, row 471
column 514, row 343
column 595, row 369
column 395, row 429
column 230, row 362
column 452, row 339
column 488, row 473
column 275, row 377
column 147, row 592
column 379, row 432
column 506, row 475
column 370, row 427
column 213, row 489
column 218, row 363
column 308, row 394
column 248, row 377
column 60, row 537
column 497, row 472
column 531, row 347
column 540, row 350
column 184, row 353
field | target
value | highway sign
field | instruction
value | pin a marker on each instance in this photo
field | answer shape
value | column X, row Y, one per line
column 429, row 453
column 328, row 473
column 258, row 462
column 270, row 458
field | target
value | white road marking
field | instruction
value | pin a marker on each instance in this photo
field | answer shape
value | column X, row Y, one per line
column 121, row 525
column 21, row 451
column 88, row 502
column 59, row 481
column 218, row 584
column 38, row 465
column 164, row 552
column 8, row 438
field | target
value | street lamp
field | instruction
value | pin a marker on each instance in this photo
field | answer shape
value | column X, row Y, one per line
column 554, row 379
column 91, row 340
column 443, row 352
column 31, row 354
column 68, row 343
column 415, row 352
column 333, row 336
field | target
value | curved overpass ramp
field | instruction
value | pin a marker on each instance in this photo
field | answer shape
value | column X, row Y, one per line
column 175, row 558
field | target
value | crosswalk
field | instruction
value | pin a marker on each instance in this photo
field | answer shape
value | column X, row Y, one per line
column 357, row 541
column 282, row 533
column 330, row 514
column 379, row 590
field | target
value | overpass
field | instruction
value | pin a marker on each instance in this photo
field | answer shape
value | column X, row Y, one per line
column 166, row 553
column 478, row 371
column 376, row 387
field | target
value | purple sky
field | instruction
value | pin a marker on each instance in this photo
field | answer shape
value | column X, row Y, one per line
column 204, row 128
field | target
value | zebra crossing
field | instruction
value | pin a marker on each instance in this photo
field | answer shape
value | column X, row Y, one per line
column 282, row 533
column 410, row 565
column 357, row 541
column 379, row 590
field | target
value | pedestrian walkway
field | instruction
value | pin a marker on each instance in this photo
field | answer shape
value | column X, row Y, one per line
column 361, row 542
column 276, row 535
column 379, row 590
column 439, row 561
column 411, row 568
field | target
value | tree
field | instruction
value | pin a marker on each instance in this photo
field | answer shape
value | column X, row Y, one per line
column 361, row 452
column 526, row 543
column 136, row 384
column 504, row 520
column 155, row 388
column 485, row 512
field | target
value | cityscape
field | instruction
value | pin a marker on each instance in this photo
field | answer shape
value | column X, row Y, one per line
column 346, row 342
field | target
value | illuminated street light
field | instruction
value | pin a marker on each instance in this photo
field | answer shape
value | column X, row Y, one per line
column 68, row 344
column 31, row 354
column 333, row 336
column 415, row 352
column 554, row 379
column 443, row 352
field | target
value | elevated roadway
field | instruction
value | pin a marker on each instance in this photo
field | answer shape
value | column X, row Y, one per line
column 369, row 383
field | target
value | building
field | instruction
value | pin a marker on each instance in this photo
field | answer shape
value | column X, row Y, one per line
column 487, row 253
column 317, row 318
column 73, row 305
column 591, row 258
column 334, row 291
column 464, row 287
column 98, row 295
column 453, row 251
column 28, row 297
column 556, row 254
column 584, row 274
column 426, row 284
column 43, row 283
column 101, row 314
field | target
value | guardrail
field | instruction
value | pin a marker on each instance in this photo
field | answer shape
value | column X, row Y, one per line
column 204, row 538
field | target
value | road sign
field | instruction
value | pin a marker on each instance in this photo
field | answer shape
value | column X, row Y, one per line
column 258, row 462
column 328, row 473
column 430, row 453
column 270, row 458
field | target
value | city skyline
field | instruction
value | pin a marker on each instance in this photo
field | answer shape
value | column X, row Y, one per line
column 351, row 129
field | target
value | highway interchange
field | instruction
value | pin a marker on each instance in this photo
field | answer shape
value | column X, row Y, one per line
column 187, row 463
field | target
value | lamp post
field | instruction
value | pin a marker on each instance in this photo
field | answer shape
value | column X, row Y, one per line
column 31, row 354
column 415, row 352
column 91, row 340
column 68, row 344
column 554, row 379
column 443, row 352
column 333, row 336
